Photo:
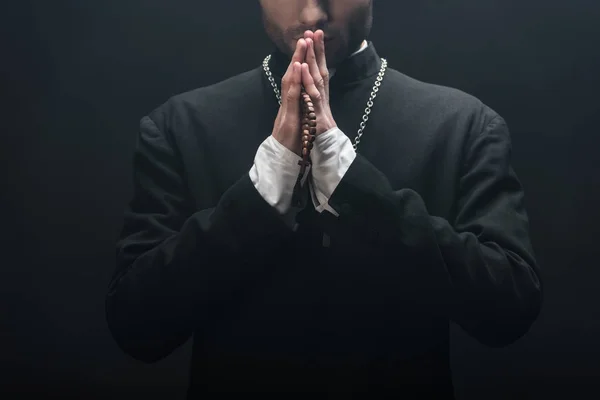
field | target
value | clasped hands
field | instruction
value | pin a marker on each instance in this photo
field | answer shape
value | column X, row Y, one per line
column 308, row 69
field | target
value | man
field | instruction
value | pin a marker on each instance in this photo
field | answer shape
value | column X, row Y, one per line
column 349, row 292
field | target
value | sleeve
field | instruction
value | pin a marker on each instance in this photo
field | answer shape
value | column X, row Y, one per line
column 178, row 266
column 478, row 269
column 274, row 174
column 331, row 157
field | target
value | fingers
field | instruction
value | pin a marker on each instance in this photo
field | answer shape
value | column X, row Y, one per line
column 292, row 97
column 310, row 87
column 299, row 57
column 319, row 40
column 309, row 35
column 311, row 60
column 300, row 53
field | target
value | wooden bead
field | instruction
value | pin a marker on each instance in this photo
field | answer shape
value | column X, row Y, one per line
column 305, row 121
column 310, row 104
column 312, row 115
column 311, row 109
column 312, row 123
column 305, row 127
column 312, row 138
column 305, row 138
column 312, row 131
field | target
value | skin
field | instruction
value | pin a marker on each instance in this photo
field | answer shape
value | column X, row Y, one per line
column 294, row 27
column 346, row 24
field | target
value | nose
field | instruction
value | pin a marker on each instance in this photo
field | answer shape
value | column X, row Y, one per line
column 313, row 14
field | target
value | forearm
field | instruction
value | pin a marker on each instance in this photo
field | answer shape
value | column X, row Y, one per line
column 486, row 282
column 274, row 174
column 332, row 156
column 169, row 284
column 494, row 287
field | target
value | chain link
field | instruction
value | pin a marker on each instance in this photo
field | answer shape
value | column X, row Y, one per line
column 365, row 117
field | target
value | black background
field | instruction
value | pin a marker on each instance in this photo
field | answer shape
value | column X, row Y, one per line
column 82, row 73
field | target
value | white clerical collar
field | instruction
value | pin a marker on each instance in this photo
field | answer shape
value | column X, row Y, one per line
column 363, row 46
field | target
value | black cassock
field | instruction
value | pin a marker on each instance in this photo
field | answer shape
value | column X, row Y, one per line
column 431, row 229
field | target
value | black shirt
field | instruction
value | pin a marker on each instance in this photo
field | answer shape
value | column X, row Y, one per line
column 432, row 229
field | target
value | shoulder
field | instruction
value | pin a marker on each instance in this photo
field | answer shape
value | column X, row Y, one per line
column 200, row 105
column 438, row 104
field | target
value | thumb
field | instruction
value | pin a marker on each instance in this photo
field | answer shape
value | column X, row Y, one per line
column 292, row 97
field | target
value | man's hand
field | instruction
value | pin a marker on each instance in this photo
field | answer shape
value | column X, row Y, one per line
column 315, row 79
column 287, row 124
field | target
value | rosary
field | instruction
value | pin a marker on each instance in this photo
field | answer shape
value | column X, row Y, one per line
column 308, row 108
column 308, row 121
column 309, row 128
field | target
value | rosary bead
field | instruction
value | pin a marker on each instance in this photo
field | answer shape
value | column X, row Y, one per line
column 309, row 130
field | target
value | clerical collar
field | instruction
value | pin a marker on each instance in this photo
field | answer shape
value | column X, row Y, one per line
column 363, row 46
column 362, row 64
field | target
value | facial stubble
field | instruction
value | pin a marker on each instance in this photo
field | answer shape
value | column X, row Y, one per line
column 359, row 28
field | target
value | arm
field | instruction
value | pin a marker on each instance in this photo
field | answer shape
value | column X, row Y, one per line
column 332, row 156
column 177, row 266
column 480, row 268
column 274, row 174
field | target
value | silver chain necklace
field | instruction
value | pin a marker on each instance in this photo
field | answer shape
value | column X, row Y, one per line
column 365, row 117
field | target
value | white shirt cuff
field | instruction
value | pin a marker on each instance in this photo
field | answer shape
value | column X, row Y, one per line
column 331, row 157
column 274, row 173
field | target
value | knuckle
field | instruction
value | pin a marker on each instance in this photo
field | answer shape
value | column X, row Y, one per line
column 290, row 94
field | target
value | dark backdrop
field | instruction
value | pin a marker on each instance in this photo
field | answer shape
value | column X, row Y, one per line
column 81, row 74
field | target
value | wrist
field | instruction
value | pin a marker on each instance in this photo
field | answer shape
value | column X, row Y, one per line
column 326, row 126
column 292, row 145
